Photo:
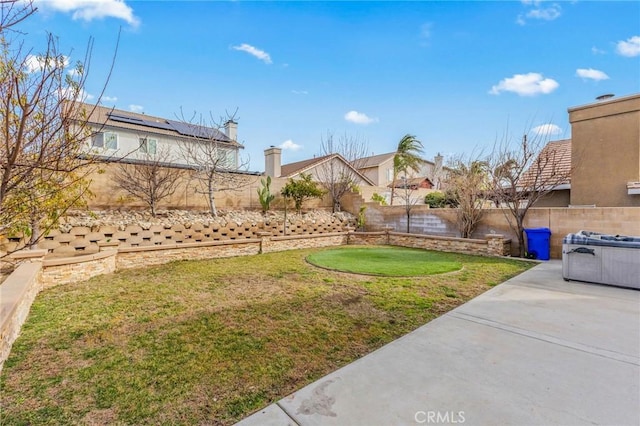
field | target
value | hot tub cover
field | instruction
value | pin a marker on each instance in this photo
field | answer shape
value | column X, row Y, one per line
column 598, row 239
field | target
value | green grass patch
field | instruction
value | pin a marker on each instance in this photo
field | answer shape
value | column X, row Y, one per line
column 209, row 342
column 386, row 261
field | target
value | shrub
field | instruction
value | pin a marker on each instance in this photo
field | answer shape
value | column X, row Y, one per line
column 435, row 200
column 379, row 198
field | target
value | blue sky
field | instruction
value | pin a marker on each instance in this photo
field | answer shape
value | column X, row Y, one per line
column 458, row 75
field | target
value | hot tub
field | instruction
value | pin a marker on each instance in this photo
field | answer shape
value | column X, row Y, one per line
column 600, row 258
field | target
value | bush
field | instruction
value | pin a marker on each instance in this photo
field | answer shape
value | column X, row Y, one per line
column 435, row 200
column 379, row 198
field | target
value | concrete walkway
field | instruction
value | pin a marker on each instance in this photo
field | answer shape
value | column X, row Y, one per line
column 535, row 350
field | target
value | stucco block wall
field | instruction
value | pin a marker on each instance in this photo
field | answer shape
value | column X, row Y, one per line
column 189, row 195
column 561, row 221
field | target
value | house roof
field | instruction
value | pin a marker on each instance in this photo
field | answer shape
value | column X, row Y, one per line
column 555, row 163
column 375, row 160
column 399, row 183
column 113, row 118
column 293, row 169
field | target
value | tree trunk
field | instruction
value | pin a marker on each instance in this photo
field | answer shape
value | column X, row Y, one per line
column 284, row 225
column 212, row 199
column 408, row 222
column 519, row 222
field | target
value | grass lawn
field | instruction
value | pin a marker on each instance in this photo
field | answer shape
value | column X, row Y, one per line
column 209, row 342
column 385, row 261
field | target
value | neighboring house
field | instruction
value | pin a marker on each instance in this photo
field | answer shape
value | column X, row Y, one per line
column 127, row 136
column 555, row 163
column 319, row 167
column 379, row 169
column 605, row 151
column 602, row 158
column 413, row 183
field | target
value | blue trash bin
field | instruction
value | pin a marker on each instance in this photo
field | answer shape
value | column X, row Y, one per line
column 538, row 242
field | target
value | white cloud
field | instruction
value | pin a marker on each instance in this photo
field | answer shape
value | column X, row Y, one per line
column 136, row 108
column 110, row 99
column 88, row 10
column 359, row 118
column 425, row 30
column 630, row 47
column 547, row 130
column 290, row 145
column 79, row 94
column 536, row 10
column 36, row 63
column 591, row 74
column 299, row 92
column 529, row 84
column 547, row 14
column 597, row 51
column 260, row 54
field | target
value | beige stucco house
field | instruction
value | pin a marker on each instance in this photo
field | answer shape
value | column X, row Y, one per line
column 379, row 169
column 118, row 135
column 320, row 168
column 605, row 151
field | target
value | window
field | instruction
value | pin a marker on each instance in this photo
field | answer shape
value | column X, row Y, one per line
column 227, row 158
column 389, row 175
column 107, row 140
column 148, row 145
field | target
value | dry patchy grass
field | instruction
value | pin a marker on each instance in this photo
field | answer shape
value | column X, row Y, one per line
column 209, row 342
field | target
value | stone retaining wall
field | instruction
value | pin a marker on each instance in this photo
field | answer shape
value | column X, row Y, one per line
column 17, row 293
column 137, row 257
column 84, row 240
column 273, row 244
column 73, row 269
column 380, row 238
column 494, row 245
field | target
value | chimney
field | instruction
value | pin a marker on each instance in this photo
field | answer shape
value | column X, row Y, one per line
column 231, row 130
column 605, row 97
column 272, row 159
column 437, row 172
column 438, row 161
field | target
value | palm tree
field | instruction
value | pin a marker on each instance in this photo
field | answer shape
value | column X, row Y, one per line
column 407, row 157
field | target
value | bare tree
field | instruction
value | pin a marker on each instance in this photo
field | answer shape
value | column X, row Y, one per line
column 150, row 180
column 12, row 12
column 467, row 185
column 214, row 161
column 406, row 194
column 338, row 177
column 43, row 128
column 524, row 174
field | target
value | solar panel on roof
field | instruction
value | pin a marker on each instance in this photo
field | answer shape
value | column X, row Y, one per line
column 185, row 129
column 188, row 129
column 124, row 118
column 141, row 122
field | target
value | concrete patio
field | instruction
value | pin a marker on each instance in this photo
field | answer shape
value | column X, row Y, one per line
column 535, row 350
